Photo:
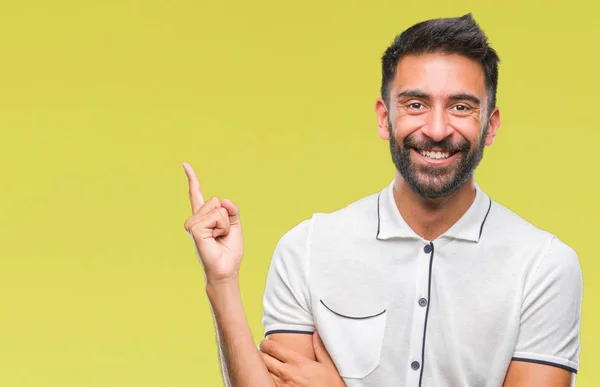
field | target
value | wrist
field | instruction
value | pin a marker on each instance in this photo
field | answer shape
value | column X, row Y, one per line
column 222, row 287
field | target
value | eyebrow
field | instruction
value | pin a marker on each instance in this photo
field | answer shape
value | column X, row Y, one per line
column 453, row 97
column 465, row 97
column 413, row 94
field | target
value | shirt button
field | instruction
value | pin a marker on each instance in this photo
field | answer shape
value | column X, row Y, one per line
column 427, row 249
column 415, row 365
column 423, row 302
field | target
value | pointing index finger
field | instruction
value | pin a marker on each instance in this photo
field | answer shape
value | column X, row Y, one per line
column 196, row 196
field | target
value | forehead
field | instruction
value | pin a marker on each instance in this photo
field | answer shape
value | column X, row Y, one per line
column 439, row 74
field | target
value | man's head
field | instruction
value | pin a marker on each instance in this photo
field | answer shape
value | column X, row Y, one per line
column 437, row 105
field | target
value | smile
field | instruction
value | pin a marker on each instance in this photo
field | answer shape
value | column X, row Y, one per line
column 432, row 156
column 436, row 155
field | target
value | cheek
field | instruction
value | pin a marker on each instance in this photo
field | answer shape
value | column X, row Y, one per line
column 407, row 124
column 468, row 127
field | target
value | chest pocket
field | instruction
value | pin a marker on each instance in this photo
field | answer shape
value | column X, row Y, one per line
column 351, row 322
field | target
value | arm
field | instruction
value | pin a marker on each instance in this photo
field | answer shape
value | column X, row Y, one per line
column 238, row 354
column 241, row 363
column 292, row 351
column 299, row 343
column 525, row 374
column 216, row 231
column 548, row 346
column 287, row 313
column 290, row 368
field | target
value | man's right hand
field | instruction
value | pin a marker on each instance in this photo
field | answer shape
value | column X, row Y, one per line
column 216, row 231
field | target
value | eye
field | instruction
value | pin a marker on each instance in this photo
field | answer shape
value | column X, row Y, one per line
column 462, row 108
column 415, row 106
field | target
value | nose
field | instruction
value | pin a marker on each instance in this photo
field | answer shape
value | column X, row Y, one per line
column 437, row 127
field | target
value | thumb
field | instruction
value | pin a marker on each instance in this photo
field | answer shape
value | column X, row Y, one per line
column 233, row 211
column 321, row 352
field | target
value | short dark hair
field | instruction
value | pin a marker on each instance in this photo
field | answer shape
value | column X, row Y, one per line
column 461, row 35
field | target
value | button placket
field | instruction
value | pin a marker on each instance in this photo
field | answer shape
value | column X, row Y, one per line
column 424, row 303
column 427, row 249
column 415, row 366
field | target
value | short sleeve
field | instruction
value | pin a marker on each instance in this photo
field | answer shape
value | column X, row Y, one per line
column 551, row 311
column 286, row 301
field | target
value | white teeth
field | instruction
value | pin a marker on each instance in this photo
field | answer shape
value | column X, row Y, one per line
column 435, row 155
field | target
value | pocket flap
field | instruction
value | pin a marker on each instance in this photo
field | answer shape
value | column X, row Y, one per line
column 354, row 309
column 357, row 296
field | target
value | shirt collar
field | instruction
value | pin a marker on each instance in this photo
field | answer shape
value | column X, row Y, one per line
column 469, row 227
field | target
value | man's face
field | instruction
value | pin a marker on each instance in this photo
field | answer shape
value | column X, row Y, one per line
column 436, row 122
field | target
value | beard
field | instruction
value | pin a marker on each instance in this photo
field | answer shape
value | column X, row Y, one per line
column 431, row 181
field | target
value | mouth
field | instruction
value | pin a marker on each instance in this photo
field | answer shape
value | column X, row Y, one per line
column 435, row 156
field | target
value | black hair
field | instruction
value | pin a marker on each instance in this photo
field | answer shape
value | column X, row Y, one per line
column 461, row 35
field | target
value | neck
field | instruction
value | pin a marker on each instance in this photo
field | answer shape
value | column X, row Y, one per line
column 430, row 218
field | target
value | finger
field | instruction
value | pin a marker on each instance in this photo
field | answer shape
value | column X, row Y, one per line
column 223, row 226
column 321, row 352
column 211, row 204
column 278, row 351
column 208, row 206
column 274, row 366
column 277, row 380
column 196, row 197
column 233, row 212
column 215, row 222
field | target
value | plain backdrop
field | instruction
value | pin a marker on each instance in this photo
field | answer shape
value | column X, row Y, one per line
column 273, row 103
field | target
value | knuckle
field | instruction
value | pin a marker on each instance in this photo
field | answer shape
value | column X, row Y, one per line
column 286, row 375
column 209, row 206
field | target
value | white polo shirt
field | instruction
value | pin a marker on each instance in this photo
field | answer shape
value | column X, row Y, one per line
column 394, row 309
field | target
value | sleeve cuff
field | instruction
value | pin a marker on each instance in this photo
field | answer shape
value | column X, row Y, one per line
column 546, row 360
column 285, row 328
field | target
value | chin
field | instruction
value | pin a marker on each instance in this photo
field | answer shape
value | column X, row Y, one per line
column 434, row 187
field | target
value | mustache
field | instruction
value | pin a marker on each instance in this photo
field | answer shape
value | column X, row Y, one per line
column 446, row 145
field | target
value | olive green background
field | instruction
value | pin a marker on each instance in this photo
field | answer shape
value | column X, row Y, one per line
column 273, row 104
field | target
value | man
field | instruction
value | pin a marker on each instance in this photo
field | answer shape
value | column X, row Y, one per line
column 426, row 283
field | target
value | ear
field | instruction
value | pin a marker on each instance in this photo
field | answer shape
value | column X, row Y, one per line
column 382, row 119
column 494, row 124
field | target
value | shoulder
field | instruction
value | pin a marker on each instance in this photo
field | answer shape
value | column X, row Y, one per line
column 528, row 242
column 355, row 218
column 509, row 227
column 561, row 260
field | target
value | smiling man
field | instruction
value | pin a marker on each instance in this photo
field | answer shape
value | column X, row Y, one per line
column 428, row 282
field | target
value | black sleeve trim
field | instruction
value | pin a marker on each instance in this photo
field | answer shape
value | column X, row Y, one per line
column 564, row 367
column 287, row 331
